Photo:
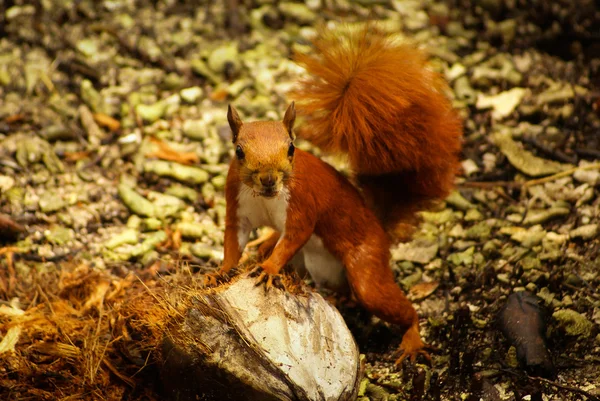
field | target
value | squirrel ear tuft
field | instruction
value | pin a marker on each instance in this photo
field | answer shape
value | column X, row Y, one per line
column 235, row 123
column 289, row 118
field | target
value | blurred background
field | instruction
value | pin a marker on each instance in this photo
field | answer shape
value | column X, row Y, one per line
column 114, row 149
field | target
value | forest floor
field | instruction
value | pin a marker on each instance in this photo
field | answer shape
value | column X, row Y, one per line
column 114, row 148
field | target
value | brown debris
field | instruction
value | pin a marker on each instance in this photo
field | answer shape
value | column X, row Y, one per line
column 64, row 345
column 165, row 152
column 9, row 229
column 107, row 121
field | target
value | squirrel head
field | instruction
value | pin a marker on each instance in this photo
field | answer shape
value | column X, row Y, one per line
column 264, row 151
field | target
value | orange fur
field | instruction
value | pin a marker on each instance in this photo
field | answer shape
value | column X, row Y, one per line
column 375, row 100
column 233, row 253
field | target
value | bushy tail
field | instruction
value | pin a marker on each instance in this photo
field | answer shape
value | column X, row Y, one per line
column 376, row 100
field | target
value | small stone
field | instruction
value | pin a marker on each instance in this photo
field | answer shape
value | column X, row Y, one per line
column 237, row 87
column 438, row 218
column 587, row 194
column 17, row 11
column 491, row 246
column 489, row 162
column 503, row 104
column 191, row 229
column 457, row 200
column 461, row 245
column 224, row 57
column 469, row 167
column 531, row 287
column 526, row 237
column 134, row 201
column 536, row 216
column 192, row 94
column 151, row 112
column 546, row 296
column 165, row 205
column 457, row 231
column 204, row 251
column 554, row 240
column 127, row 236
column 479, row 231
column 524, row 160
column 530, row 263
column 59, row 235
column 152, row 224
column 6, row 183
column 51, row 202
column 208, row 191
column 88, row 47
column 493, row 6
column 555, row 94
column 419, row 251
column 219, row 181
column 507, row 29
column 574, row 323
column 412, row 279
column 189, row 174
column 173, row 81
column 497, row 69
column 464, row 91
column 134, row 221
column 473, row 215
column 462, row 258
column 200, row 67
column 298, row 12
column 522, row 320
column 149, row 243
column 457, row 70
column 574, row 280
column 90, row 96
column 591, row 177
column 195, row 129
column 183, row 192
column 587, row 232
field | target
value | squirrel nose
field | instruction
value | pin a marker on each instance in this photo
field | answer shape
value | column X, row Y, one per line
column 267, row 180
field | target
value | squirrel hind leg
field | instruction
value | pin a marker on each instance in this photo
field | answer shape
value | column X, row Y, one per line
column 373, row 283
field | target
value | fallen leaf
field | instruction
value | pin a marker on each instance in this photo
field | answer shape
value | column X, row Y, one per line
column 165, row 152
column 422, row 290
column 419, row 250
column 524, row 160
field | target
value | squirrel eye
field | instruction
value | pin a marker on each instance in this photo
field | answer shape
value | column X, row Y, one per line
column 239, row 152
column 291, row 150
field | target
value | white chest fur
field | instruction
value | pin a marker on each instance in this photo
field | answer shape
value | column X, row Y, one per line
column 255, row 211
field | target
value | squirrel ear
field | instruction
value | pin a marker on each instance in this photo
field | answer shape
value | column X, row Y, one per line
column 289, row 118
column 234, row 122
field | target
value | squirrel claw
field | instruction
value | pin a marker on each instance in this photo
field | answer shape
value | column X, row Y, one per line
column 412, row 346
column 412, row 355
column 270, row 280
column 212, row 279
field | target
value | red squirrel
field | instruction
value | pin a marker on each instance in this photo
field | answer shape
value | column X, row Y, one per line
column 376, row 101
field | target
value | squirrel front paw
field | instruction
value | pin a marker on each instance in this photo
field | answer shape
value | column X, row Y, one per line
column 269, row 279
column 212, row 279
